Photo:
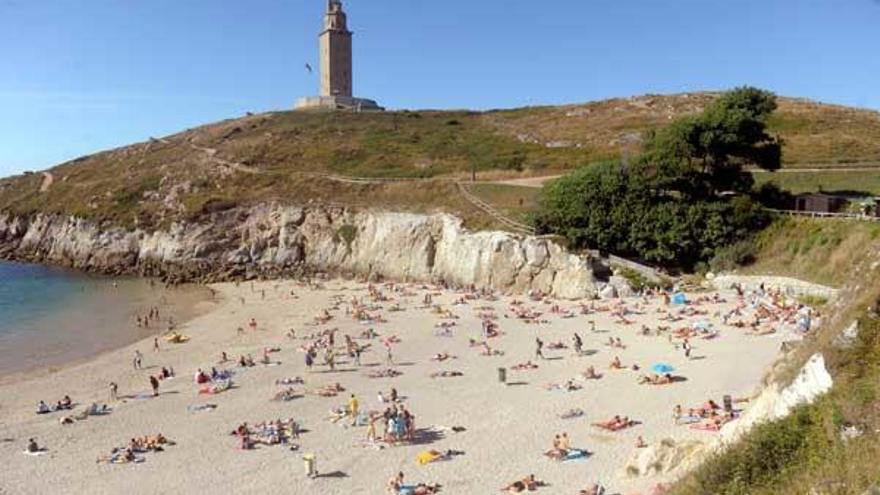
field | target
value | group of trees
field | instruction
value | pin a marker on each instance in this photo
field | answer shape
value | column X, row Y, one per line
column 685, row 197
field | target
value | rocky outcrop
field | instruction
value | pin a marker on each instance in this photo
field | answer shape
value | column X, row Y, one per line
column 787, row 285
column 271, row 240
column 667, row 456
column 775, row 402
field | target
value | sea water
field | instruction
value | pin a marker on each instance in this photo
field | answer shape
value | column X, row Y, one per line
column 50, row 317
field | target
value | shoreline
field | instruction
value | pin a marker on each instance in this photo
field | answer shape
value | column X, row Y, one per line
column 205, row 458
column 189, row 302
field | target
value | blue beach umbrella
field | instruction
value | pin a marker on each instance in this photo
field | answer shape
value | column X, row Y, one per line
column 662, row 368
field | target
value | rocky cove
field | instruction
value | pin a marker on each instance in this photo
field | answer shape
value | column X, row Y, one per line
column 273, row 240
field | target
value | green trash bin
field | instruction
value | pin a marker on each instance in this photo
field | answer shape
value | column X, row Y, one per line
column 502, row 375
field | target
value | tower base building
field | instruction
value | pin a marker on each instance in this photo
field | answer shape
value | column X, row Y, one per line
column 336, row 66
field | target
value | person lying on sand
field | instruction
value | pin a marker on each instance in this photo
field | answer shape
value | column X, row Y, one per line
column 615, row 424
column 290, row 381
column 118, row 456
column 286, row 395
column 528, row 365
column 386, row 373
column 654, row 379
column 442, row 356
column 328, row 390
column 446, row 374
column 594, row 489
column 568, row 386
column 528, row 483
column 572, row 413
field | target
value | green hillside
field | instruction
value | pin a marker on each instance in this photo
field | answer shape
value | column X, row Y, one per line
column 300, row 156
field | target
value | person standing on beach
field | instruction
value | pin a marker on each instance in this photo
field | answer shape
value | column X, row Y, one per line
column 155, row 384
column 357, row 354
column 371, row 431
column 687, row 348
column 310, row 360
column 539, row 348
column 138, row 360
column 155, row 344
column 114, row 391
column 390, row 354
column 353, row 409
column 578, row 344
column 330, row 359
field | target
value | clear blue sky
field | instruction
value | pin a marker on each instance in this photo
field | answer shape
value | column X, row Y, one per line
column 77, row 76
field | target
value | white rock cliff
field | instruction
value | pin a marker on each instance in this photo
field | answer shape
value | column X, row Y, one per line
column 271, row 239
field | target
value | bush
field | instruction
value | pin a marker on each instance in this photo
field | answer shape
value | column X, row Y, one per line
column 684, row 199
column 733, row 256
column 764, row 456
column 609, row 208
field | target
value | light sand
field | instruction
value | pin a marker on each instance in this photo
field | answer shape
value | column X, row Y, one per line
column 508, row 427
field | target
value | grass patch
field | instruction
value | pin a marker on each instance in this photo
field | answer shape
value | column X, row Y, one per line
column 822, row 251
column 636, row 280
column 514, row 202
column 865, row 182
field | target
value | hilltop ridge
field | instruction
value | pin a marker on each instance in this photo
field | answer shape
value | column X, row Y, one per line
column 297, row 157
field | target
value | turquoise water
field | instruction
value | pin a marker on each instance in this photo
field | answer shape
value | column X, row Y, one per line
column 29, row 293
column 50, row 317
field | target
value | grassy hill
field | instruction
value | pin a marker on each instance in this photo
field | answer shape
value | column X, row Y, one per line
column 301, row 156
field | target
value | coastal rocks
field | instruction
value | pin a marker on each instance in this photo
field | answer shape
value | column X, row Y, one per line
column 848, row 337
column 787, row 285
column 270, row 240
column 664, row 458
column 773, row 403
column 608, row 292
column 622, row 286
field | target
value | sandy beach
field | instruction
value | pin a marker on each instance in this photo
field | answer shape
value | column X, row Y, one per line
column 506, row 427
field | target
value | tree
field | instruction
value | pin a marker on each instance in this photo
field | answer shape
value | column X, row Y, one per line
column 668, row 207
column 702, row 156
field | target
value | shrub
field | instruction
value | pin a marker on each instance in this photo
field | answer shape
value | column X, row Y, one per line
column 346, row 234
column 733, row 256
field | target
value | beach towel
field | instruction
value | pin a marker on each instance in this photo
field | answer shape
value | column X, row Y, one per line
column 427, row 457
column 34, row 454
column 575, row 455
column 679, row 298
column 201, row 407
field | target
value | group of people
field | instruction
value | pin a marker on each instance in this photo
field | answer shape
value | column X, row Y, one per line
column 66, row 403
column 399, row 425
column 128, row 453
column 270, row 433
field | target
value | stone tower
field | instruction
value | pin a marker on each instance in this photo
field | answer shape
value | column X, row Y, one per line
column 335, row 52
column 336, row 66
